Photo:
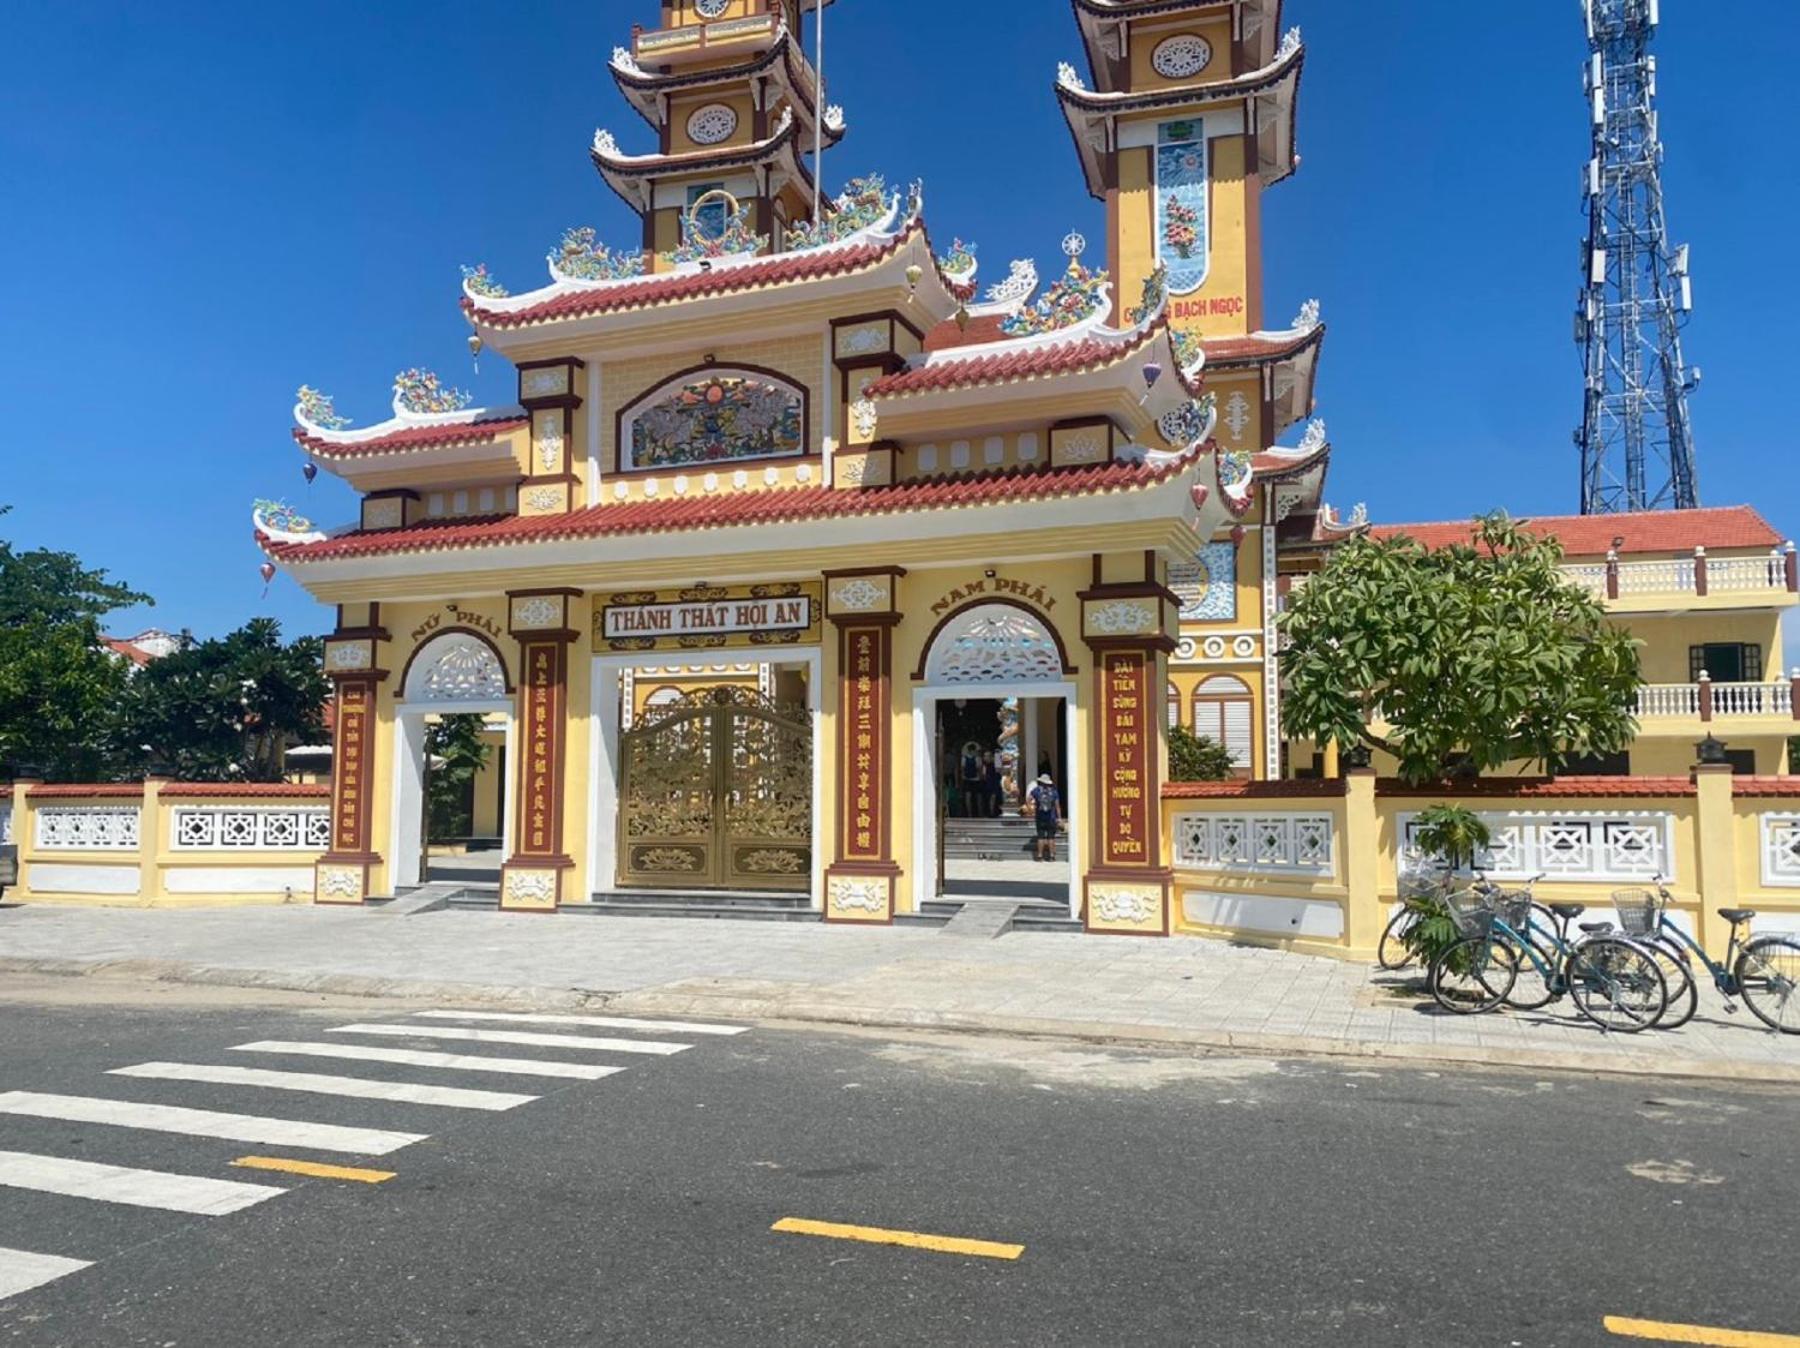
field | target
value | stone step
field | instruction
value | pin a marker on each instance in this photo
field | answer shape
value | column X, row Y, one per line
column 691, row 909
column 716, row 898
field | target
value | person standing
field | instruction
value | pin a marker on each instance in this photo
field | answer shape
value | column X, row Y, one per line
column 1046, row 809
column 969, row 777
column 990, row 785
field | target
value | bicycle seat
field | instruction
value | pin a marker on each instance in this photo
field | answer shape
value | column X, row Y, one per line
column 1568, row 912
column 1737, row 915
column 1595, row 928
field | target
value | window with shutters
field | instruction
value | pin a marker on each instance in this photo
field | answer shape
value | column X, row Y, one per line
column 1224, row 712
column 1726, row 662
column 1174, row 706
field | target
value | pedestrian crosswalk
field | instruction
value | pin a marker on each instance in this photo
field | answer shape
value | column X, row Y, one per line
column 363, row 1070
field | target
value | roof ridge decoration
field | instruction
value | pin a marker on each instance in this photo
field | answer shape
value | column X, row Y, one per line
column 316, row 410
column 959, row 264
column 1307, row 321
column 419, row 392
column 419, row 401
column 281, row 523
column 479, row 281
column 581, row 257
column 1330, row 519
column 737, row 241
column 606, row 146
column 1008, row 296
column 864, row 212
column 1077, row 303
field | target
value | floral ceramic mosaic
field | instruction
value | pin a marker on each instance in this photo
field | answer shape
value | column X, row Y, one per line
column 1077, row 296
column 1181, row 227
column 1188, row 422
column 317, row 408
column 279, row 515
column 478, row 280
column 725, row 416
column 862, row 203
column 419, row 391
column 1188, row 350
column 582, row 257
column 1156, row 290
column 959, row 261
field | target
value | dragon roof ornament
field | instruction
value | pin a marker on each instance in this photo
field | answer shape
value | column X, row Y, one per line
column 280, row 523
column 1069, row 77
column 1006, row 297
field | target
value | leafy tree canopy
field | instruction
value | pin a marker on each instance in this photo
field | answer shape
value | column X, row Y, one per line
column 59, row 691
column 228, row 708
column 1480, row 653
column 1195, row 758
column 455, row 751
column 53, row 588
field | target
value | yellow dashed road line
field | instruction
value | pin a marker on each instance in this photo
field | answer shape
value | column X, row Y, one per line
column 1662, row 1332
column 917, row 1240
column 316, row 1169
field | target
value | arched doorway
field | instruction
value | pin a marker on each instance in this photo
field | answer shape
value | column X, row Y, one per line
column 1224, row 712
column 993, row 709
column 455, row 674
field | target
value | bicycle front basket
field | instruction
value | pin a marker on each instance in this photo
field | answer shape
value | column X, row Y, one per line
column 1513, row 907
column 1470, row 910
column 1640, row 910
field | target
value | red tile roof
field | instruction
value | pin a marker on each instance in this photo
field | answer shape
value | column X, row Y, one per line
column 97, row 789
column 1002, row 366
column 1535, row 787
column 1765, row 786
column 249, row 790
column 665, row 289
column 1256, row 347
column 1238, row 790
column 777, row 506
column 416, row 437
column 136, row 654
column 982, row 328
column 1642, row 531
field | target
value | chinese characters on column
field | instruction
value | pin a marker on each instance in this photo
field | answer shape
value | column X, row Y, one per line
column 540, row 766
column 865, row 719
column 1127, row 759
column 350, row 805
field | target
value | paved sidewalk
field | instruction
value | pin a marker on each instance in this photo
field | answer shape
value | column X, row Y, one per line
column 1182, row 991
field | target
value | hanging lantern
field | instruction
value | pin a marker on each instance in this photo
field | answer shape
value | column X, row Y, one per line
column 1197, row 493
column 475, row 351
column 914, row 274
column 267, row 571
column 1237, row 535
column 1152, row 373
column 962, row 318
column 309, row 470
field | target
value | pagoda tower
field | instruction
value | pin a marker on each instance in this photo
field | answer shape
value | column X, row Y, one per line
column 734, row 101
column 1186, row 114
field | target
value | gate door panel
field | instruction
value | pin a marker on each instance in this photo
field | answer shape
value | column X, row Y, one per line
column 716, row 792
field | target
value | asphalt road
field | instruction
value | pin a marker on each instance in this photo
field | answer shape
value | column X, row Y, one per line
column 1159, row 1198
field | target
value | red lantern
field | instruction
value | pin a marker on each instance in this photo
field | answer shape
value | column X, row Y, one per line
column 1237, row 534
column 1198, row 493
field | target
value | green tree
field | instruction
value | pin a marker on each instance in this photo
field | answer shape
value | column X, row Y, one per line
column 55, row 589
column 228, row 708
column 1195, row 758
column 455, row 752
column 1479, row 653
column 59, row 694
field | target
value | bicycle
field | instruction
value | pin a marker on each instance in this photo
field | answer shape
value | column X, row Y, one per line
column 1763, row 970
column 1613, row 981
column 1394, row 952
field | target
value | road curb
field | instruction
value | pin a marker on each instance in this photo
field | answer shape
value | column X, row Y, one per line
column 802, row 1011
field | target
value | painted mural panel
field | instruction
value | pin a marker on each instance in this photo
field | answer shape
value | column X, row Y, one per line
column 1183, row 242
column 1207, row 585
column 713, row 418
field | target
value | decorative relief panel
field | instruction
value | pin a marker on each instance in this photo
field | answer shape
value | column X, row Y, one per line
column 1284, row 843
column 993, row 643
column 1207, row 585
column 859, row 594
column 1781, row 850
column 1181, row 57
column 863, row 339
column 1122, row 617
column 545, row 500
column 255, row 829
column 384, row 512
column 530, row 889
column 87, row 828
column 1181, row 204
column 349, row 655
column 547, row 430
column 720, row 416
column 712, row 124
column 456, row 668
column 536, row 612
column 339, row 884
column 548, row 382
column 851, row 895
column 1113, row 906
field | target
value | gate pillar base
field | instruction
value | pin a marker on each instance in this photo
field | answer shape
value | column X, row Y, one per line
column 1126, row 902
column 861, row 893
column 533, row 885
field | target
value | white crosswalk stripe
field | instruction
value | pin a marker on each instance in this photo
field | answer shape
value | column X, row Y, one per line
column 412, row 1057
column 594, row 1022
column 361, row 1088
column 21, row 1270
column 195, row 1194
column 655, row 1046
column 207, row 1123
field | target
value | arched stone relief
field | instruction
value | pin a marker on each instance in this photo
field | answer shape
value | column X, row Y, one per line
column 714, row 414
column 455, row 669
column 993, row 643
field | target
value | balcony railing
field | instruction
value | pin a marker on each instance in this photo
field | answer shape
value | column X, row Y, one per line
column 1775, row 573
column 1709, row 701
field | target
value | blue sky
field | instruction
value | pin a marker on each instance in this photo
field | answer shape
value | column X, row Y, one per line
column 208, row 204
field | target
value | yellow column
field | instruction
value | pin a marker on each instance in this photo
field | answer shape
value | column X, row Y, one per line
column 150, row 841
column 1363, row 917
column 1715, row 864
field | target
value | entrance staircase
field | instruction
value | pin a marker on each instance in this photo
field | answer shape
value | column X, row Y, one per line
column 991, row 916
column 1008, row 838
column 741, row 904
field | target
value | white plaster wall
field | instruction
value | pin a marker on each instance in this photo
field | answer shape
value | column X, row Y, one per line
column 1311, row 918
column 237, row 879
column 65, row 878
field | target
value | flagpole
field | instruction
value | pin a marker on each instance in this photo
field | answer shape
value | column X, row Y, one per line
column 818, row 104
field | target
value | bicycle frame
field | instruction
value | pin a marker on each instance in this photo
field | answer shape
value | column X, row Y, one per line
column 1723, row 978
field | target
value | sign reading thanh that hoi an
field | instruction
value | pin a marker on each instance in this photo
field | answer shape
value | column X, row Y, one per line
column 1127, row 756
column 707, row 617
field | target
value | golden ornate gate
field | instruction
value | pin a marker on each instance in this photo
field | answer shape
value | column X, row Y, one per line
column 715, row 791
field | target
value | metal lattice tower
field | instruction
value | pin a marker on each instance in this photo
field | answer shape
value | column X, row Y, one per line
column 1637, row 448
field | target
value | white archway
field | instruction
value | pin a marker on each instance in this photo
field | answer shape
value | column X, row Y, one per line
column 453, row 673
column 992, row 650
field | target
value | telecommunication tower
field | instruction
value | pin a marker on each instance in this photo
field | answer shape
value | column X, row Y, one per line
column 1637, row 448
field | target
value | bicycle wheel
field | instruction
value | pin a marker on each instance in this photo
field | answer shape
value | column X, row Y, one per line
column 1678, row 976
column 1392, row 953
column 1535, row 985
column 1768, row 978
column 1473, row 975
column 1617, row 984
